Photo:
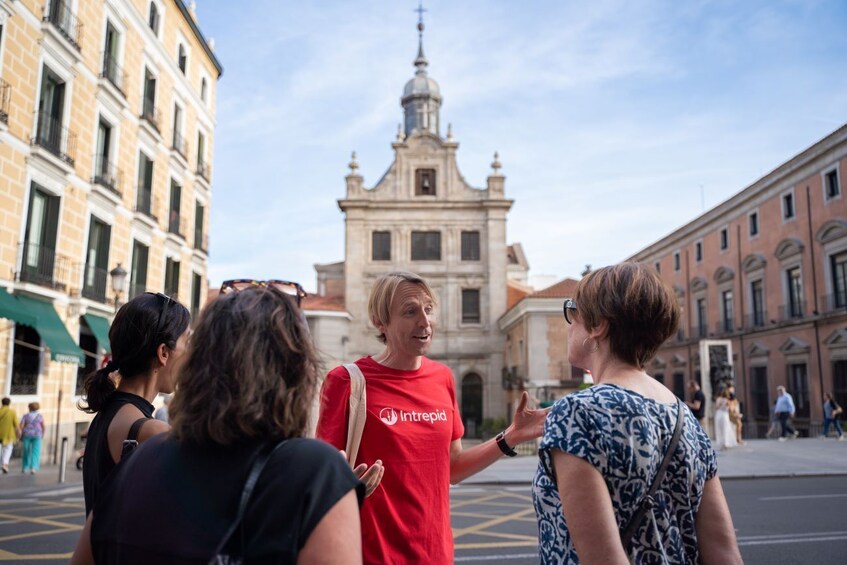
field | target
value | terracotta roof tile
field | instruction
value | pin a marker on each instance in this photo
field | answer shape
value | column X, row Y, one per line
column 318, row 302
column 563, row 289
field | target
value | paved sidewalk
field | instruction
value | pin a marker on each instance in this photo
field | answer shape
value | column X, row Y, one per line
column 18, row 484
column 757, row 459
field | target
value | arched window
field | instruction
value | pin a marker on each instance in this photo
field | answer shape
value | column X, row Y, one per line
column 472, row 404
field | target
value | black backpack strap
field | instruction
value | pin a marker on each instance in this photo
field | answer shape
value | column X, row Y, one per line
column 252, row 478
column 131, row 441
column 648, row 502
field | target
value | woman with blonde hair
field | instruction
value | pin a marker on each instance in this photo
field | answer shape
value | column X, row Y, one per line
column 626, row 473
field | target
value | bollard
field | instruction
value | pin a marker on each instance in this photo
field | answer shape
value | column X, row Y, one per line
column 63, row 460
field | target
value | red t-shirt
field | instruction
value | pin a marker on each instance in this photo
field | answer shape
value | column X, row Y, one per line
column 411, row 421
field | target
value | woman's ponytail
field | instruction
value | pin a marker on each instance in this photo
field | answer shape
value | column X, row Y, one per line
column 98, row 386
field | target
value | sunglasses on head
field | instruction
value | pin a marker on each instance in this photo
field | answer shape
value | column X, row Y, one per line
column 290, row 288
column 569, row 306
column 163, row 309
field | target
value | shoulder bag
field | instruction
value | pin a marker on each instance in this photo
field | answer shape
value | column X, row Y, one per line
column 218, row 557
column 648, row 502
column 358, row 411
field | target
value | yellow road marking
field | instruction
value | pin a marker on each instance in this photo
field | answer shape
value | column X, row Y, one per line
column 42, row 533
column 41, row 521
column 495, row 545
column 478, row 515
column 493, row 522
column 5, row 556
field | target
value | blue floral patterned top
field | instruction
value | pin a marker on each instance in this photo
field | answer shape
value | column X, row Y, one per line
column 624, row 436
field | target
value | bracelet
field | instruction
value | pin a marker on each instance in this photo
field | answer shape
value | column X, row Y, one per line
column 504, row 447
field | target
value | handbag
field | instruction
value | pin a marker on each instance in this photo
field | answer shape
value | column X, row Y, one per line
column 218, row 557
column 358, row 412
column 648, row 502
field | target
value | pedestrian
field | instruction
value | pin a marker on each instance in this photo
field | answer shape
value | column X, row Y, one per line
column 8, row 432
column 413, row 429
column 603, row 447
column 148, row 337
column 162, row 413
column 831, row 411
column 697, row 404
column 784, row 411
column 724, row 430
column 244, row 395
column 774, row 429
column 32, row 430
column 735, row 415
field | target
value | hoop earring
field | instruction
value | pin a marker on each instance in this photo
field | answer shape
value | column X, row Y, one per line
column 595, row 345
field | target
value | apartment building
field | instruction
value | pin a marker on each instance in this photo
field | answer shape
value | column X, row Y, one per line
column 107, row 113
column 766, row 271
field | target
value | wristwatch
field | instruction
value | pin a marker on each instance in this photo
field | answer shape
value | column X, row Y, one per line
column 504, row 447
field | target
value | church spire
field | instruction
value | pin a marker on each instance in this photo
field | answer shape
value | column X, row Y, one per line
column 421, row 97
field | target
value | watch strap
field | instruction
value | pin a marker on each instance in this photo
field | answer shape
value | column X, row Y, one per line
column 504, row 447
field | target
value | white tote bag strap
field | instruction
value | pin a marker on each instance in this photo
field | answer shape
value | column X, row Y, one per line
column 358, row 411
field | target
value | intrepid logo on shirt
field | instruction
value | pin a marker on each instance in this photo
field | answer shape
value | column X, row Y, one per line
column 390, row 416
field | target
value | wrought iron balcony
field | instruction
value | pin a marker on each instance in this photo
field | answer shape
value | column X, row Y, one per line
column 5, row 99
column 24, row 382
column 180, row 145
column 62, row 17
column 698, row 331
column 150, row 113
column 107, row 175
column 203, row 170
column 756, row 320
column 95, row 282
column 114, row 73
column 794, row 311
column 724, row 327
column 55, row 138
column 835, row 302
column 145, row 203
column 43, row 266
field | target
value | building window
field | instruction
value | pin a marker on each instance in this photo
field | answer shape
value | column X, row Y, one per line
column 698, row 251
column 182, row 58
column 676, row 265
column 138, row 272
column 759, row 392
column 788, row 206
column 425, row 182
column 679, row 385
column 144, row 195
column 172, row 278
column 753, row 220
column 26, row 361
column 839, row 381
column 153, row 18
column 104, row 173
column 196, row 290
column 798, row 384
column 111, row 63
column 727, row 310
column 795, row 292
column 702, row 319
column 426, row 246
column 202, row 167
column 757, row 301
column 148, row 108
column 174, row 212
column 658, row 266
column 470, row 246
column 39, row 252
column 97, row 261
column 838, row 263
column 470, row 305
column 724, row 239
column 832, row 186
column 50, row 132
column 199, row 217
column 381, row 246
column 177, row 141
column 204, row 87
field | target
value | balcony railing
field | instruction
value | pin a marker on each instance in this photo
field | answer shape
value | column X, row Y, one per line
column 55, row 138
column 680, row 334
column 835, row 302
column 5, row 99
column 145, row 203
column 150, row 113
column 43, row 266
column 107, row 175
column 113, row 72
column 95, row 282
column 62, row 17
column 203, row 169
column 699, row 331
column 794, row 311
column 756, row 320
column 180, row 145
column 724, row 327
column 24, row 382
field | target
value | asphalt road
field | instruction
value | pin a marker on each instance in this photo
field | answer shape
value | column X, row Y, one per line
column 779, row 521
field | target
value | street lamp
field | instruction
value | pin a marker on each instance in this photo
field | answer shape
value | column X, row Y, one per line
column 118, row 275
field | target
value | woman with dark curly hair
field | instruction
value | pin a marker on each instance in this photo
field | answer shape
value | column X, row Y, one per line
column 148, row 337
column 243, row 396
column 603, row 447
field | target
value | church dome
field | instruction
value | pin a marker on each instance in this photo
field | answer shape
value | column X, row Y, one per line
column 421, row 84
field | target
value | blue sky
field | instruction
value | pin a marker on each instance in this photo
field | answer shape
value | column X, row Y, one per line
column 616, row 121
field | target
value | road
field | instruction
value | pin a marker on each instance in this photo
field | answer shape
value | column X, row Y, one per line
column 779, row 521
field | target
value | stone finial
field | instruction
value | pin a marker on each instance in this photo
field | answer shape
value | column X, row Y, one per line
column 449, row 132
column 354, row 164
column 495, row 165
column 400, row 135
column 211, row 44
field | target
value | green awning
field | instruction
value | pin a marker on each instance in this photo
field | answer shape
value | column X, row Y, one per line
column 100, row 328
column 51, row 329
column 12, row 309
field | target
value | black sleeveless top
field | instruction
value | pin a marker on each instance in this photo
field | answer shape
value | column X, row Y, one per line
column 98, row 462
